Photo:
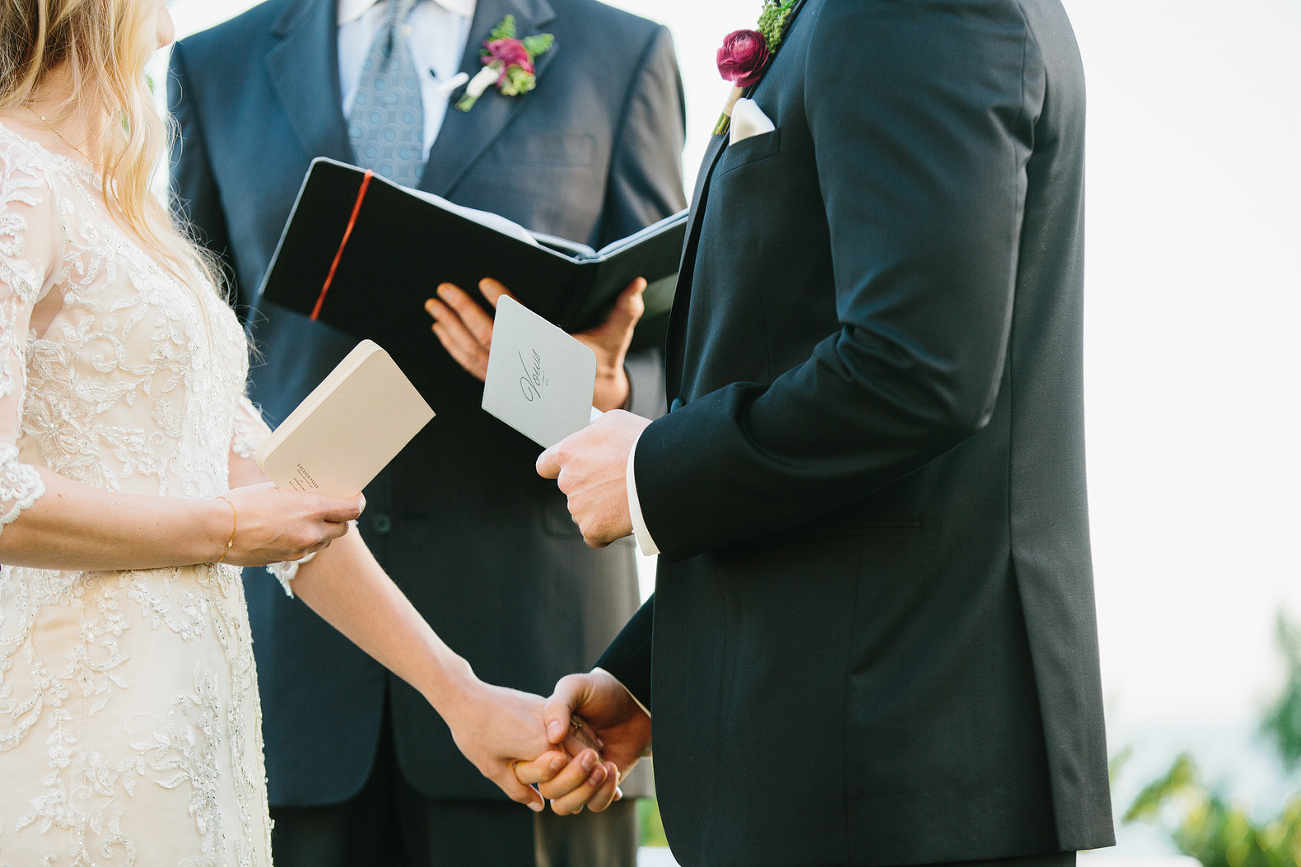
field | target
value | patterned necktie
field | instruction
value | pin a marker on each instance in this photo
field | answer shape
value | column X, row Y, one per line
column 387, row 123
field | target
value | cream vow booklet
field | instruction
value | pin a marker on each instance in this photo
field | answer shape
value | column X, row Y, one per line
column 348, row 428
column 540, row 379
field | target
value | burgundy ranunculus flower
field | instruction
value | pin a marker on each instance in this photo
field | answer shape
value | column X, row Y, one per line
column 511, row 52
column 742, row 58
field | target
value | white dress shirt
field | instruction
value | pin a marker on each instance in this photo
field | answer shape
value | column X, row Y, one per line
column 639, row 531
column 644, row 541
column 439, row 32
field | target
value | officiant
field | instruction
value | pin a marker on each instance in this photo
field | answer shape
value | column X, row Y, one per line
column 583, row 142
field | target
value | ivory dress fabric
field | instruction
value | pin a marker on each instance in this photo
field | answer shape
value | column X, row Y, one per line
column 129, row 717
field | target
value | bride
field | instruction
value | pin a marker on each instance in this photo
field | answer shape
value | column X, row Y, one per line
column 129, row 498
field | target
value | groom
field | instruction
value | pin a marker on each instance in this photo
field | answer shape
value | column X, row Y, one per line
column 873, row 637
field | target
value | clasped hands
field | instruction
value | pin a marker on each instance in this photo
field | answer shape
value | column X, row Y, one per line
column 595, row 713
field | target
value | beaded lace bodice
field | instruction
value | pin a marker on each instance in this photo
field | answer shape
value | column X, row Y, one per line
column 115, row 374
column 129, row 721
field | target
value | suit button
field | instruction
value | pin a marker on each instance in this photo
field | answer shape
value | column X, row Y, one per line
column 676, row 405
column 381, row 523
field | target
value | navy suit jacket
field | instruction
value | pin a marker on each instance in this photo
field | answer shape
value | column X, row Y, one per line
column 484, row 548
column 870, row 493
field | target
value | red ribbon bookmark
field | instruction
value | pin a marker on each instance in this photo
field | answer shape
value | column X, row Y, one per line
column 347, row 233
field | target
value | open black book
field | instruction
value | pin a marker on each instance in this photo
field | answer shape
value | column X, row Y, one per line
column 362, row 254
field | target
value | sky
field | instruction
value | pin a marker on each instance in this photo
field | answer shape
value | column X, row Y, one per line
column 1193, row 311
column 1192, row 316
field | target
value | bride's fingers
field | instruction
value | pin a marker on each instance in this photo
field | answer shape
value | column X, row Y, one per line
column 341, row 511
column 573, row 776
column 518, row 792
column 328, row 535
column 581, row 796
column 331, row 532
column 608, row 793
column 317, row 548
column 334, row 531
column 542, row 769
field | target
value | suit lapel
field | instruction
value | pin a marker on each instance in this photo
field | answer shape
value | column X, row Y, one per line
column 304, row 72
column 687, row 267
column 465, row 136
column 686, row 272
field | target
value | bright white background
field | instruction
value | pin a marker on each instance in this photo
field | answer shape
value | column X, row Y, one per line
column 1193, row 317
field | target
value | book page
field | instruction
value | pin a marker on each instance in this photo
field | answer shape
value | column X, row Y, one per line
column 484, row 218
column 636, row 238
column 574, row 250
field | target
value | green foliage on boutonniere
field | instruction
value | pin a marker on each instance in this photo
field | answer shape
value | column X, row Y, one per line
column 508, row 62
column 505, row 29
column 772, row 21
column 539, row 44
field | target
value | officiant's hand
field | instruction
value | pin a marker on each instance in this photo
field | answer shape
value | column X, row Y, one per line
column 591, row 467
column 609, row 710
column 465, row 330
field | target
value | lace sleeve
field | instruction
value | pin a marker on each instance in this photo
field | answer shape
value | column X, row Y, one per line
column 29, row 240
column 251, row 431
column 20, row 486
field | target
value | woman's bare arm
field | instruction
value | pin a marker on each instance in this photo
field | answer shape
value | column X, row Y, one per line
column 78, row 526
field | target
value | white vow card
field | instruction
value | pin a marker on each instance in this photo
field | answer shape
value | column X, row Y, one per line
column 540, row 379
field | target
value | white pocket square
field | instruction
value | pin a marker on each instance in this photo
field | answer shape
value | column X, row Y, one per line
column 748, row 120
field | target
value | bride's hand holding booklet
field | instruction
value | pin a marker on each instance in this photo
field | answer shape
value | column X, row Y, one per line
column 348, row 429
column 362, row 254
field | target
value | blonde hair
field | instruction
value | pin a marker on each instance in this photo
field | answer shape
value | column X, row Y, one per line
column 104, row 45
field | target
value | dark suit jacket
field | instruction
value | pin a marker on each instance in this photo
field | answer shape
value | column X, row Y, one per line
column 874, row 638
column 484, row 548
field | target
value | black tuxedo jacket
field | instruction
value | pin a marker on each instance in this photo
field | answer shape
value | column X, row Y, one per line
column 484, row 548
column 873, row 633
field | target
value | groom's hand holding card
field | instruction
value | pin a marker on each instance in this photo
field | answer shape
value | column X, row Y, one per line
column 540, row 380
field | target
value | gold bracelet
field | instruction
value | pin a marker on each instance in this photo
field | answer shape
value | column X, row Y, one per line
column 234, row 525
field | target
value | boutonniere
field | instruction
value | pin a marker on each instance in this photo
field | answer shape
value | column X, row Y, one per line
column 507, row 62
column 746, row 54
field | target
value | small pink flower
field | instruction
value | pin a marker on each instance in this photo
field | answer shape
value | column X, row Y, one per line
column 511, row 52
column 742, row 58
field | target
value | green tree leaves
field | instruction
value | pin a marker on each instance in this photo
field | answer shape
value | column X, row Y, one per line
column 1282, row 723
column 1204, row 823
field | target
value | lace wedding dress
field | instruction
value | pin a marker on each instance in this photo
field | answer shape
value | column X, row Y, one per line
column 129, row 717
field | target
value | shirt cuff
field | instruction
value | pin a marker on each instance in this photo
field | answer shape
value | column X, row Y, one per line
column 643, row 536
column 630, row 693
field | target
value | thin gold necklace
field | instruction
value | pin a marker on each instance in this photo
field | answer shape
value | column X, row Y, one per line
column 62, row 138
